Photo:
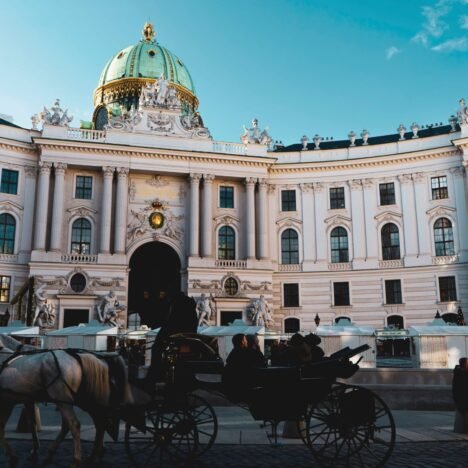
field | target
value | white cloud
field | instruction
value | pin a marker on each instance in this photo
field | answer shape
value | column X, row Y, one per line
column 391, row 52
column 459, row 45
column 464, row 21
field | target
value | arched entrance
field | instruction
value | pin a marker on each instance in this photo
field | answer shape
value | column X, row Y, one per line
column 154, row 267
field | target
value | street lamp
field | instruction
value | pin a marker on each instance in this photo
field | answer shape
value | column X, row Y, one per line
column 437, row 315
column 317, row 320
column 460, row 317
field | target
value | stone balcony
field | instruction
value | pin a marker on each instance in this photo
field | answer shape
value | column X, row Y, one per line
column 8, row 258
column 290, row 267
column 397, row 263
column 79, row 258
column 343, row 266
column 236, row 264
column 445, row 260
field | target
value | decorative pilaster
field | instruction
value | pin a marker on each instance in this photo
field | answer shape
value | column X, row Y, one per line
column 207, row 215
column 370, row 202
column 106, row 209
column 30, row 173
column 357, row 218
column 308, row 221
column 420, row 199
column 262, row 220
column 194, row 213
column 409, row 215
column 121, row 202
column 57, row 208
column 250, row 216
column 458, row 174
column 320, row 207
column 41, row 205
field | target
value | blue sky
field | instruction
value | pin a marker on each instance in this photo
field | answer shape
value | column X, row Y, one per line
column 299, row 66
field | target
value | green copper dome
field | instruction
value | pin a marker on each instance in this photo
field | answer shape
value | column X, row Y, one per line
column 132, row 68
column 147, row 60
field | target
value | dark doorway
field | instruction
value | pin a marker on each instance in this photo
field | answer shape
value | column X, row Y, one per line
column 228, row 317
column 72, row 317
column 154, row 267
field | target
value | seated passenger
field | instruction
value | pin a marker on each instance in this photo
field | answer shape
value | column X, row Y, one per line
column 313, row 341
column 297, row 352
column 256, row 357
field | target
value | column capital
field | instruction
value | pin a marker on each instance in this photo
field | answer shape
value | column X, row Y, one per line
column 208, row 178
column 405, row 178
column 307, row 187
column 44, row 167
column 458, row 171
column 318, row 186
column 262, row 183
column 418, row 177
column 108, row 171
column 355, row 184
column 60, row 167
column 250, row 182
column 30, row 171
column 194, row 178
column 122, row 171
column 368, row 183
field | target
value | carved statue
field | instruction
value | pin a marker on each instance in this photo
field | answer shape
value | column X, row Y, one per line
column 463, row 113
column 139, row 224
column 108, row 308
column 259, row 312
column 56, row 115
column 206, row 308
column 255, row 135
column 126, row 120
column 44, row 315
column 162, row 87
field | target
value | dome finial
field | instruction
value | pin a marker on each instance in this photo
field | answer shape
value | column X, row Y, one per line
column 148, row 32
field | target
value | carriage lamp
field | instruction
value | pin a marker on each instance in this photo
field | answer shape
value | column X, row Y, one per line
column 317, row 320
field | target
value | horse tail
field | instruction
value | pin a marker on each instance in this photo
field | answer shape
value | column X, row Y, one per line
column 95, row 382
column 121, row 378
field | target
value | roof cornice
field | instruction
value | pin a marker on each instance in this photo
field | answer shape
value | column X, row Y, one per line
column 15, row 145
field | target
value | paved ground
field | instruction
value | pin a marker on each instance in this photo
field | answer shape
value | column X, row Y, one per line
column 424, row 439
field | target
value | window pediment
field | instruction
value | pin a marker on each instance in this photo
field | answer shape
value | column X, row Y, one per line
column 388, row 216
column 338, row 220
column 10, row 206
column 81, row 211
column 441, row 210
column 227, row 220
column 288, row 221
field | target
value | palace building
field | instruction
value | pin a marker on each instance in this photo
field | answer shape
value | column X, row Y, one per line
column 144, row 199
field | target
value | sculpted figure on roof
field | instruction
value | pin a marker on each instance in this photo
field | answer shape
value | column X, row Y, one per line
column 255, row 135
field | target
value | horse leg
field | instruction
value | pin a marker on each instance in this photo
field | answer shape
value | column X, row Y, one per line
column 98, row 446
column 74, row 425
column 31, row 410
column 53, row 447
column 5, row 412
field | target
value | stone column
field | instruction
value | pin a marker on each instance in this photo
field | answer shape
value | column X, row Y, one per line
column 320, row 208
column 308, row 220
column 250, row 217
column 262, row 220
column 420, row 200
column 194, row 213
column 207, row 215
column 461, row 206
column 121, row 201
column 57, row 208
column 370, row 202
column 42, row 205
column 357, row 219
column 409, row 215
column 106, row 209
column 28, row 216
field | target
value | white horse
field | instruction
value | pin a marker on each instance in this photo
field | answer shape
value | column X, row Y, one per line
column 63, row 378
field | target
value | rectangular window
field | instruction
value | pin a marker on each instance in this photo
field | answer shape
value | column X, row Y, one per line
column 439, row 187
column 291, row 295
column 447, row 289
column 84, row 187
column 5, row 288
column 341, row 294
column 288, row 200
column 337, row 199
column 226, row 197
column 393, row 292
column 387, row 193
column 9, row 181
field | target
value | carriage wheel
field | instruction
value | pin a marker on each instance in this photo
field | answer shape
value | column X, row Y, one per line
column 169, row 435
column 352, row 426
column 206, row 421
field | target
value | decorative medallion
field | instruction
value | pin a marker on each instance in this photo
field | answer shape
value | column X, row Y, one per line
column 156, row 220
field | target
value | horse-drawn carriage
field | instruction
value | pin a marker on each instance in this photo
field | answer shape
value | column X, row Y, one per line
column 340, row 424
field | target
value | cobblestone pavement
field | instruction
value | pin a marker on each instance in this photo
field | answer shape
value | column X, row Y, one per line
column 447, row 454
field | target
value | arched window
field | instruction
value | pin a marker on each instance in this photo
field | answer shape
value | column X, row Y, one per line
column 7, row 234
column 395, row 321
column 292, row 325
column 390, row 242
column 226, row 243
column 339, row 245
column 81, row 237
column 289, row 247
column 443, row 237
